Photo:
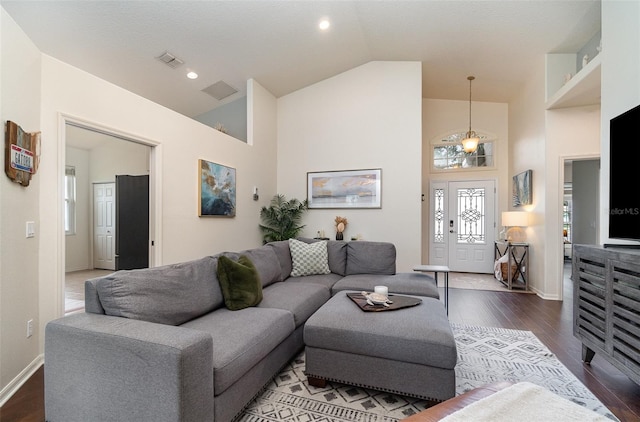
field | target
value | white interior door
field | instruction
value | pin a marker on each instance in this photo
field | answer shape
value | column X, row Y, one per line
column 462, row 226
column 104, row 226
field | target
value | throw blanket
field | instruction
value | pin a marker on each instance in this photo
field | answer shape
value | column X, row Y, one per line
column 524, row 402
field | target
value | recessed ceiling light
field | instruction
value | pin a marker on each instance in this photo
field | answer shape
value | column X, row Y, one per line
column 324, row 24
column 192, row 75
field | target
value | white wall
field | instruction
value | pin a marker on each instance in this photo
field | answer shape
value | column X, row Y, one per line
column 541, row 140
column 571, row 133
column 262, row 130
column 444, row 116
column 367, row 117
column 528, row 151
column 20, row 103
column 78, row 245
column 620, row 82
column 118, row 158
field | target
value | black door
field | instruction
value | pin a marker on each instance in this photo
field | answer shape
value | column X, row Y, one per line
column 132, row 222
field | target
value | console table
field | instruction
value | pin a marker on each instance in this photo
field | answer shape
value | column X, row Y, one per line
column 606, row 305
column 517, row 265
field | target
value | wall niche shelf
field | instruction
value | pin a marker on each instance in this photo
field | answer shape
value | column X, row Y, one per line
column 581, row 90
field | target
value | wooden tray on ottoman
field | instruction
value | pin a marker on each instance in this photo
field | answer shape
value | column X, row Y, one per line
column 399, row 302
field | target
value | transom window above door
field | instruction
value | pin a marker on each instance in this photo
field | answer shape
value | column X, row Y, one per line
column 448, row 153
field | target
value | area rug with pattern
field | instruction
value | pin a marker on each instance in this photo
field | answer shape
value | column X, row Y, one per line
column 485, row 354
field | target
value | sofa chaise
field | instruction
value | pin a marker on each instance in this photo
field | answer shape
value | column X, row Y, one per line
column 162, row 344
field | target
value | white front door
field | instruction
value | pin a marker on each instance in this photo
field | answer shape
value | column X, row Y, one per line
column 462, row 226
column 104, row 226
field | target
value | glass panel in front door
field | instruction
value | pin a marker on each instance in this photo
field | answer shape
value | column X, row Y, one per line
column 438, row 212
column 471, row 215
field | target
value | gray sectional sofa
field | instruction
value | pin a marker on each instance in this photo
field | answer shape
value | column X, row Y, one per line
column 159, row 344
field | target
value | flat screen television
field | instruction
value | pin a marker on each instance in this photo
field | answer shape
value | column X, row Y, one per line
column 624, row 199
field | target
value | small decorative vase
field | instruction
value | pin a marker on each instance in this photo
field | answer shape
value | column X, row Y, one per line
column 339, row 236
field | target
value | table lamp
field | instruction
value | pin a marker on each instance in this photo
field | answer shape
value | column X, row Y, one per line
column 515, row 220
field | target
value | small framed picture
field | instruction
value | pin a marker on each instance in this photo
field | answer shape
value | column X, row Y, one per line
column 217, row 193
column 522, row 188
column 345, row 189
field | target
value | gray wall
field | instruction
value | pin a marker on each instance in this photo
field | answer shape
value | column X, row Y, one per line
column 233, row 116
column 586, row 202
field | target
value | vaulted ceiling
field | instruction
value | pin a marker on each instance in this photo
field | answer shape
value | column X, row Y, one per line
column 279, row 44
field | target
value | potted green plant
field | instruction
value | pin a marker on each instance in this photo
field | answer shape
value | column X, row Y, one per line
column 281, row 219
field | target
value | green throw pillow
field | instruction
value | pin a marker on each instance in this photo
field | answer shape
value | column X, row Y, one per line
column 240, row 283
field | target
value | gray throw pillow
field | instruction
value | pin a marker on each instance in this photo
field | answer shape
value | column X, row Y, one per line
column 281, row 249
column 265, row 260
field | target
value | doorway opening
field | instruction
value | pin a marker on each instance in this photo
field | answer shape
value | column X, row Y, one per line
column 580, row 187
column 98, row 156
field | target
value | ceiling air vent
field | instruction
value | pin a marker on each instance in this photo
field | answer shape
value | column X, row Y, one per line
column 220, row 90
column 170, row 60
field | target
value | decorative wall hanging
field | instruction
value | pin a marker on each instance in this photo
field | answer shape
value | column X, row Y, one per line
column 217, row 196
column 22, row 153
column 522, row 188
column 345, row 189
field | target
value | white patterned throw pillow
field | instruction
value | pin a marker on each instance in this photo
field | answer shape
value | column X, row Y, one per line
column 309, row 258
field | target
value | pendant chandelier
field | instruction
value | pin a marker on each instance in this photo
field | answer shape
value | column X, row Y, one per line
column 471, row 139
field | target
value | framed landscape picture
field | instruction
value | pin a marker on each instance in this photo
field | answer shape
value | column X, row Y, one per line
column 345, row 189
column 217, row 193
column 522, row 188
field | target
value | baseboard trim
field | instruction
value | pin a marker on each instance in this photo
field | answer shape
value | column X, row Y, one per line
column 14, row 385
column 544, row 296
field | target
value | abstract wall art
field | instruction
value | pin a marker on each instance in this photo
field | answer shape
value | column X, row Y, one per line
column 217, row 193
column 522, row 188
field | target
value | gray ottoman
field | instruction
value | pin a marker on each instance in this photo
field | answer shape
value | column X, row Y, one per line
column 408, row 351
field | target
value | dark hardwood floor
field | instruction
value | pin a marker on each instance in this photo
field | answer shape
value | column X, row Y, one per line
column 27, row 404
column 550, row 321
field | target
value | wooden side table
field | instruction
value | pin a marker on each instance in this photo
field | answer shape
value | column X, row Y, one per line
column 435, row 269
